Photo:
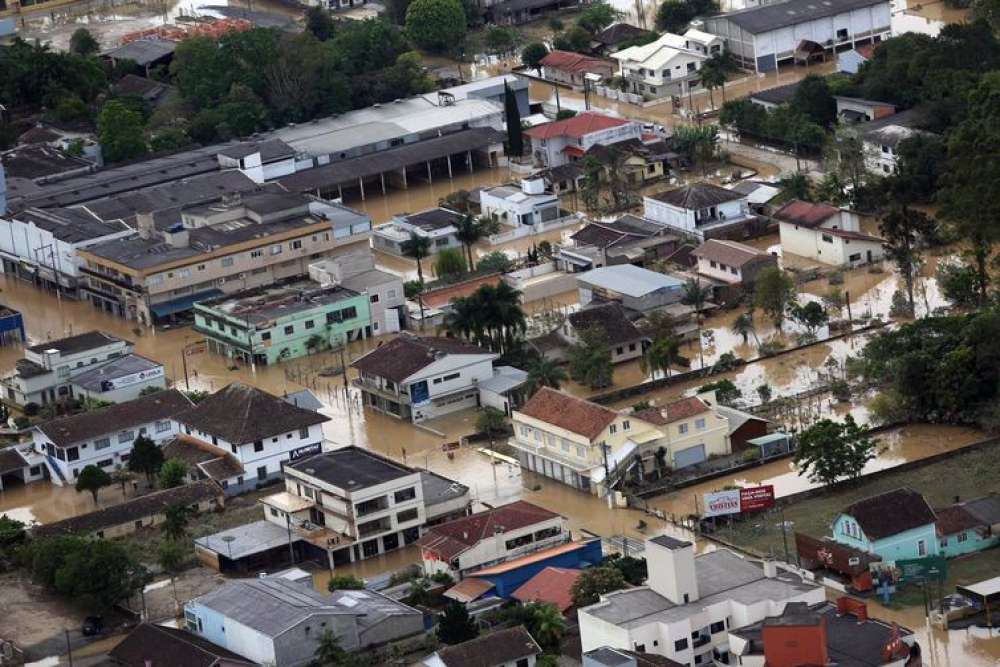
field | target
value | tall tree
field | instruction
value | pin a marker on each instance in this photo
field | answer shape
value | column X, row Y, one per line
column 903, row 230
column 418, row 248
column 146, row 457
column 172, row 473
column 320, row 23
column 456, row 626
column 774, row 292
column 512, row 115
column 660, row 355
column 175, row 522
column 436, row 25
column 96, row 574
column 171, row 557
column 532, row 55
column 92, row 479
column 544, row 372
column 595, row 582
column 469, row 231
column 829, row 451
column 83, row 43
column 121, row 132
column 590, row 359
column 696, row 295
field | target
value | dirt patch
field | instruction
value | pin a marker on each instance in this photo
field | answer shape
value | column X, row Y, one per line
column 190, row 584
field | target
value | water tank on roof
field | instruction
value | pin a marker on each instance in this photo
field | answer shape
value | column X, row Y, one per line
column 532, row 186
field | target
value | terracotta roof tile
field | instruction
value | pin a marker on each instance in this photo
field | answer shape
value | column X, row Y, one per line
column 568, row 412
column 576, row 127
column 806, row 214
column 67, row 431
column 401, row 357
column 891, row 513
column 730, row 253
column 497, row 648
column 447, row 540
column 552, row 586
column 573, row 62
column 954, row 519
column 611, row 319
column 676, row 411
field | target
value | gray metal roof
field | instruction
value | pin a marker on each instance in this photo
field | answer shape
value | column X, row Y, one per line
column 246, row 540
column 133, row 363
column 71, row 225
column 304, row 399
column 438, row 489
column 765, row 18
column 630, row 280
column 504, row 379
column 143, row 51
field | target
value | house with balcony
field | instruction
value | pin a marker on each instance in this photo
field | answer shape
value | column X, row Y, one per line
column 350, row 504
column 46, row 372
column 438, row 225
column 421, row 377
column 666, row 67
column 690, row 604
column 285, row 320
column 563, row 141
column 104, row 437
column 826, row 234
column 260, row 430
column 525, row 205
column 702, row 210
column 210, row 250
column 463, row 546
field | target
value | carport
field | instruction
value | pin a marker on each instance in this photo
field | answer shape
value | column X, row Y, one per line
column 12, row 468
column 985, row 594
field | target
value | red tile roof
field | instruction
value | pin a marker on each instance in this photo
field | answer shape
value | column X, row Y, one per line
column 676, row 411
column 448, row 540
column 806, row 214
column 552, row 586
column 954, row 519
column 469, row 589
column 401, row 357
column 568, row 412
column 573, row 62
column 575, row 127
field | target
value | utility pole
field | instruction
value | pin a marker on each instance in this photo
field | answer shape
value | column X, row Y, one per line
column 291, row 545
column 69, row 648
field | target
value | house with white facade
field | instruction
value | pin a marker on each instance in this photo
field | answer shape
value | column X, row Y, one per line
column 731, row 262
column 438, row 225
column 121, row 379
column 104, row 437
column 668, row 66
column 422, row 377
column 524, row 205
column 763, row 37
column 350, row 504
column 465, row 545
column 690, row 603
column 570, row 68
column 702, row 210
column 45, row 374
column 562, row 141
column 826, row 234
column 881, row 139
column 356, row 271
column 260, row 430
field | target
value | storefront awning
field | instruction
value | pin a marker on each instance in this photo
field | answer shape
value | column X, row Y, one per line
column 183, row 303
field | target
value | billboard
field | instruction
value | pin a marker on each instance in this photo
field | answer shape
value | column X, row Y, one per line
column 735, row 501
column 919, row 570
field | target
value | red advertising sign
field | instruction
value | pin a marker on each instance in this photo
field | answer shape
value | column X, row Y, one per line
column 755, row 498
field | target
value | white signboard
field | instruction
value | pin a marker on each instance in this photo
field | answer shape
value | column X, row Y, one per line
column 135, row 378
column 722, row 502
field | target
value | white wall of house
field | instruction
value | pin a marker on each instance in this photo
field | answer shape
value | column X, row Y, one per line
column 688, row 219
column 514, row 543
column 451, row 383
column 512, row 211
column 550, row 151
column 879, row 158
column 838, row 29
column 821, row 246
column 720, row 271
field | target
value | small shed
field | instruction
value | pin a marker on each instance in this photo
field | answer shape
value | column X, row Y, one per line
column 773, row 444
column 985, row 595
column 826, row 554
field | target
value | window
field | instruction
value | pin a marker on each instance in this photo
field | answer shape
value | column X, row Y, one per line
column 451, row 376
column 613, row 429
column 717, row 627
column 523, row 662
column 963, row 536
column 310, row 324
column 519, row 541
column 944, row 542
column 640, row 648
column 184, row 273
column 258, row 446
column 276, row 250
column 374, row 298
column 304, row 432
column 681, row 644
column 289, row 330
column 626, row 425
column 227, row 262
column 700, row 423
column 581, row 451
column 546, row 533
column 102, row 443
column 407, row 515
column 713, row 264
column 296, row 244
column 631, row 347
column 842, row 34
column 921, row 548
column 162, row 426
column 827, row 238
column 105, row 463
column 255, row 254
column 682, row 429
column 262, row 473
column 201, row 267
column 404, row 495
column 126, row 436
column 233, row 447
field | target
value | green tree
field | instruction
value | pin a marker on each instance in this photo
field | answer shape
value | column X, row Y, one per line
column 812, row 315
column 512, row 117
column 673, row 16
column 597, row 16
column 661, row 355
column 544, row 372
column 815, row 101
column 501, row 40
column 795, row 186
column 172, row 473
column 546, row 624
column 726, row 392
column 774, row 292
column 92, row 479
column 532, row 55
column 595, row 582
column 344, row 582
column 829, row 451
column 456, row 626
column 696, row 295
column 450, row 263
column 468, row 231
column 328, row 651
column 175, row 522
column 320, row 23
column 765, row 392
column 121, row 132
column 903, row 230
column 494, row 262
column 590, row 359
column 96, row 574
column 744, row 327
column 83, row 43
column 436, row 25
column 171, row 557
column 575, row 39
column 633, row 569
column 959, row 283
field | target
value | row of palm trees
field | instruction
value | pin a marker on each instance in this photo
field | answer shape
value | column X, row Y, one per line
column 490, row 317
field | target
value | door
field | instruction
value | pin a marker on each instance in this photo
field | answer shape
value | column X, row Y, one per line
column 391, row 320
column 689, row 456
column 921, row 548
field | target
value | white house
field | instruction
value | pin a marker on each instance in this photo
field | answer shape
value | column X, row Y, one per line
column 881, row 139
column 700, row 209
column 528, row 204
column 260, row 161
column 260, row 430
column 422, row 377
column 826, row 234
column 731, row 262
column 356, row 271
column 435, row 224
column 105, row 437
column 668, row 66
column 495, row 536
column 121, row 379
column 46, row 372
column 562, row 141
column 508, row 647
column 763, row 37
column 689, row 603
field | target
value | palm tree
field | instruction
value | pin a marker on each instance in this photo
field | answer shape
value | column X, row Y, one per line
column 544, row 373
column 744, row 326
column 711, row 75
column 720, row 65
column 418, row 248
column 468, row 231
column 661, row 355
column 328, row 650
column 695, row 295
column 548, row 625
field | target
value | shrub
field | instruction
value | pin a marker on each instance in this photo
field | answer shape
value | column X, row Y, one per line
column 31, row 408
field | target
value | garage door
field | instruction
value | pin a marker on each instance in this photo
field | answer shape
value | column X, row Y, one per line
column 689, row 456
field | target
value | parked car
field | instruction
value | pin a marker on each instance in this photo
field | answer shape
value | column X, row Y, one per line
column 92, row 625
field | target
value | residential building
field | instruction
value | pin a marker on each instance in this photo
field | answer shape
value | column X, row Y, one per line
column 438, row 225
column 702, row 210
column 421, row 377
column 506, row 390
column 744, row 430
column 857, row 110
column 356, row 271
column 666, row 67
column 570, row 68
column 826, row 234
column 763, row 37
column 242, row 243
column 282, row 321
column 509, row 647
column 552, row 585
column 104, row 437
column 504, row 579
column 881, row 138
column 617, row 35
column 636, row 289
column 731, row 262
column 623, row 337
column 137, row 513
column 968, row 526
column 524, row 205
column 556, row 143
column 352, row 504
column 690, row 602
column 690, row 430
column 464, row 546
column 149, row 644
column 20, row 464
column 205, row 461
column 638, row 161
column 627, row 240
column 895, row 525
column 617, row 657
column 274, row 620
column 44, row 375
column 759, row 195
column 772, row 98
column 824, row 633
column 120, row 380
column 260, row 430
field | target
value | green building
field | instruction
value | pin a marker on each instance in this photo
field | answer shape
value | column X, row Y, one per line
column 282, row 321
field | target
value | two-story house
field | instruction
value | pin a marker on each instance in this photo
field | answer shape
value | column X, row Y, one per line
column 260, row 430
column 881, row 138
column 570, row 68
column 104, row 437
column 701, row 210
column 421, row 377
column 562, row 141
column 666, row 67
column 355, row 504
column 526, row 205
column 46, row 372
column 624, row 338
column 826, row 234
column 690, row 431
column 896, row 524
column 356, row 271
column 463, row 546
column 731, row 262
column 437, row 225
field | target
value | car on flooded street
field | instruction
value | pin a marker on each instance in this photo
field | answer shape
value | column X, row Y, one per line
column 92, row 626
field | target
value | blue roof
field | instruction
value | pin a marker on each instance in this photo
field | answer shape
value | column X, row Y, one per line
column 183, row 303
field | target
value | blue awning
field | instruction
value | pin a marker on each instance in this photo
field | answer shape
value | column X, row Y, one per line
column 183, row 303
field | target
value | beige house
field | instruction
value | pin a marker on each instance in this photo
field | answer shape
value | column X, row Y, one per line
column 690, row 430
column 826, row 234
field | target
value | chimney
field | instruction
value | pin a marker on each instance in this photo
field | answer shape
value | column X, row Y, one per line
column 144, row 225
column 795, row 641
column 770, row 568
column 671, row 569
